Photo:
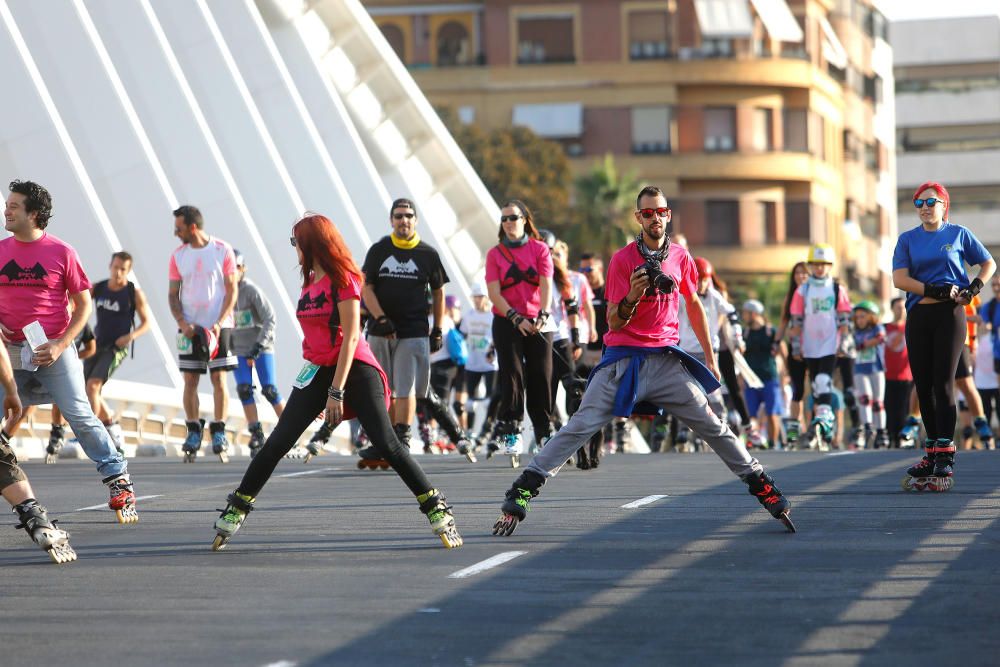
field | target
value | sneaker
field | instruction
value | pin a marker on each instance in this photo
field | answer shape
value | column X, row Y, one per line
column 513, row 444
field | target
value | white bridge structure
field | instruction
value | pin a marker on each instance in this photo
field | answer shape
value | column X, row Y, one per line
column 253, row 110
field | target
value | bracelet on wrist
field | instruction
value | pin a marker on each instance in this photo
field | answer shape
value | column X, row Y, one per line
column 335, row 394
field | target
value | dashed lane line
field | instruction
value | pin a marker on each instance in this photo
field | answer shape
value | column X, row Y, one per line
column 487, row 564
column 643, row 501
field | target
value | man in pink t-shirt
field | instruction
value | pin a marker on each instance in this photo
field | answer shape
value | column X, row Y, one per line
column 40, row 276
column 203, row 283
column 642, row 364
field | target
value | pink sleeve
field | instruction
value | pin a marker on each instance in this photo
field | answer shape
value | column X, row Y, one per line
column 588, row 294
column 492, row 270
column 689, row 275
column 797, row 306
column 75, row 277
column 172, row 272
column 844, row 302
column 350, row 291
column 544, row 261
column 229, row 262
column 618, row 283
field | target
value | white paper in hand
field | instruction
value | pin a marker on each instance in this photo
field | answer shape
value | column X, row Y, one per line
column 26, row 355
column 35, row 335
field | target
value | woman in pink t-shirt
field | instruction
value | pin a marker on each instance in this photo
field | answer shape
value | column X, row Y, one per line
column 340, row 376
column 519, row 282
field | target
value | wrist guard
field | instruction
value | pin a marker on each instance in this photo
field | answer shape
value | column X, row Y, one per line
column 255, row 351
column 436, row 339
column 572, row 306
column 574, row 337
column 543, row 317
column 972, row 291
column 382, row 326
column 942, row 292
column 335, row 394
column 515, row 317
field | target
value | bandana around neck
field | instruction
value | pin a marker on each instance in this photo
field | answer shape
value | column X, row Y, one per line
column 515, row 243
column 403, row 244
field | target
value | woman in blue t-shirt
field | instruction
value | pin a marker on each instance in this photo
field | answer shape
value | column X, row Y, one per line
column 929, row 265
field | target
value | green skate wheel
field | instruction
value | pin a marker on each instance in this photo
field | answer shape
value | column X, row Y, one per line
column 219, row 543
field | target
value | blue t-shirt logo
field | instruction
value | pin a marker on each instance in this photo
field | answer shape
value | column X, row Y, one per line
column 947, row 247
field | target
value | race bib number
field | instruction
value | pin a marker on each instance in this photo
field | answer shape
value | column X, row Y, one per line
column 867, row 355
column 184, row 344
column 244, row 319
column 305, row 376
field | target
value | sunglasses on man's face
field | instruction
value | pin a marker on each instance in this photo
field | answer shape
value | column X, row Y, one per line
column 400, row 216
column 930, row 201
column 648, row 213
column 509, row 218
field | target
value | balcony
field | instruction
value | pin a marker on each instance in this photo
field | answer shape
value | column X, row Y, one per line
column 777, row 166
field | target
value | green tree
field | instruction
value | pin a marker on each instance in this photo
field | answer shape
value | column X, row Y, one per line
column 602, row 221
column 515, row 163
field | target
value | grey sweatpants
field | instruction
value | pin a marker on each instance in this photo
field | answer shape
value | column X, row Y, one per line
column 664, row 382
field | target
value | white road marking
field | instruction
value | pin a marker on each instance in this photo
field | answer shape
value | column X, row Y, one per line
column 105, row 505
column 307, row 472
column 487, row 564
column 429, row 610
column 842, row 453
column 281, row 663
column 642, row 501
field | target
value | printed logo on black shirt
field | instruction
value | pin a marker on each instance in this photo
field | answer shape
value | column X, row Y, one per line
column 18, row 275
column 393, row 267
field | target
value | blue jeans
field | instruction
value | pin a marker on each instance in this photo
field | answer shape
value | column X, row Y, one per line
column 62, row 383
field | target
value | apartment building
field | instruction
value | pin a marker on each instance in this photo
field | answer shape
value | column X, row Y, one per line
column 948, row 116
column 769, row 123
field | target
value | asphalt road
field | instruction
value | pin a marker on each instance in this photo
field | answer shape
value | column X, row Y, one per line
column 338, row 567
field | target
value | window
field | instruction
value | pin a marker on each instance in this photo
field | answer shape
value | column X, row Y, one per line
column 545, row 39
column 648, row 35
column 871, row 157
column 394, row 35
column 723, row 222
column 651, row 130
column 453, row 45
column 720, row 129
column 763, row 129
column 797, row 226
column 796, row 122
column 716, row 48
column 852, row 146
column 767, row 221
column 872, row 88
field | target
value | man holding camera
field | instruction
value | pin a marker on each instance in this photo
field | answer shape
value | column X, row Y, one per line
column 642, row 369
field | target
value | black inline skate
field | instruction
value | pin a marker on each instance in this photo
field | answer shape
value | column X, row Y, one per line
column 193, row 441
column 319, row 440
column 515, row 507
column 934, row 471
column 57, row 438
column 256, row 438
column 438, row 513
column 43, row 532
column 762, row 486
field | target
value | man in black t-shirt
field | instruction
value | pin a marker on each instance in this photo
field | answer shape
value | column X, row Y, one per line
column 399, row 270
column 592, row 267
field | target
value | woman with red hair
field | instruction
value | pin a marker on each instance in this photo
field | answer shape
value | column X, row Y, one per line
column 341, row 376
column 929, row 264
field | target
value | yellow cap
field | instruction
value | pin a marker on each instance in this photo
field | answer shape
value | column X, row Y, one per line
column 821, row 253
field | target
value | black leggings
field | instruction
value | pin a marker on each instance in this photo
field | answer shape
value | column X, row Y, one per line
column 935, row 335
column 564, row 371
column 797, row 373
column 991, row 402
column 525, row 365
column 364, row 393
column 897, row 405
column 727, row 368
column 845, row 366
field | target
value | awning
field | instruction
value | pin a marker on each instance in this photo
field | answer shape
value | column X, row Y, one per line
column 779, row 20
column 724, row 19
column 552, row 121
column 833, row 51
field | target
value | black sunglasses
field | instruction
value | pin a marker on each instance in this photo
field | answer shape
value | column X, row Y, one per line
column 400, row 216
column 930, row 201
column 292, row 241
column 648, row 213
column 510, row 218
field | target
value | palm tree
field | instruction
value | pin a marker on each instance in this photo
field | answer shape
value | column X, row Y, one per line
column 604, row 199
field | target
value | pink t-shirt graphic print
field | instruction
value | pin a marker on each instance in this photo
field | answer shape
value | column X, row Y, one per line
column 36, row 279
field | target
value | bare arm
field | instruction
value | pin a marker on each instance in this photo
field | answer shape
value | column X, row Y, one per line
column 350, row 326
column 229, row 301
column 591, row 320
column 11, row 401
column 174, row 298
column 638, row 283
column 89, row 349
column 437, row 306
column 699, row 324
column 47, row 354
column 371, row 301
column 901, row 280
column 545, row 291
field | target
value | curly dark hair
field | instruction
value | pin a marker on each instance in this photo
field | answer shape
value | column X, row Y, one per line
column 37, row 200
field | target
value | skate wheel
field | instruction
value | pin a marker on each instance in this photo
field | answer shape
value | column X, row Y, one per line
column 127, row 515
column 189, row 457
column 515, row 460
column 51, row 458
column 505, row 525
column 362, row 465
column 907, row 483
column 450, row 538
column 223, row 457
column 308, row 458
column 383, row 465
column 785, row 519
column 219, row 543
column 470, row 456
column 62, row 553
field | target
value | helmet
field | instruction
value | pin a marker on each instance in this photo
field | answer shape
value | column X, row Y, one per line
column 869, row 306
column 754, row 306
column 705, row 269
column 548, row 237
column 477, row 289
column 821, row 253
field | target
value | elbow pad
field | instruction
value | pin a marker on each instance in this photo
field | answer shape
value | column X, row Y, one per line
column 843, row 319
column 572, row 306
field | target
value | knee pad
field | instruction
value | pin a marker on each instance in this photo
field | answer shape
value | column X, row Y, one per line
column 271, row 393
column 822, row 384
column 849, row 397
column 878, row 406
column 865, row 399
column 245, row 392
column 968, row 432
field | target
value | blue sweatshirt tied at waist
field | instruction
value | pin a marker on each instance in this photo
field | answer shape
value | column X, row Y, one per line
column 625, row 398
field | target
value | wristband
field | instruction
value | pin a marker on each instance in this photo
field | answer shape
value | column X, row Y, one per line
column 514, row 316
column 335, row 394
column 941, row 292
column 974, row 287
column 626, row 310
column 543, row 315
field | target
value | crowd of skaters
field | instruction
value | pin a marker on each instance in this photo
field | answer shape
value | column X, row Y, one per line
column 384, row 344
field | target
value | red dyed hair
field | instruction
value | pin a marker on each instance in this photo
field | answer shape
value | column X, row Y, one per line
column 941, row 191
column 321, row 244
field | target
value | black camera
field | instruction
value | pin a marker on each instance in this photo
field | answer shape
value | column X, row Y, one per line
column 658, row 280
